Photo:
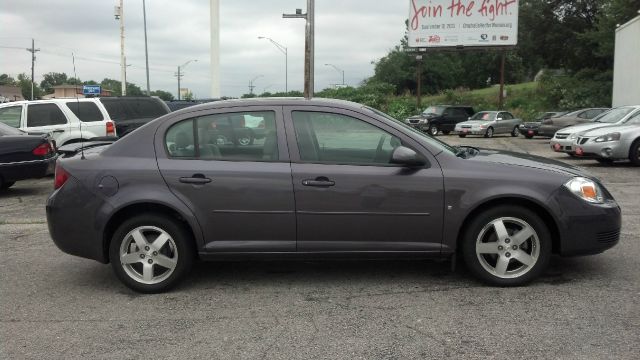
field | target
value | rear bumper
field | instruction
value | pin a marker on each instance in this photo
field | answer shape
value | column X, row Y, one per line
column 28, row 169
column 548, row 131
column 528, row 132
column 72, row 221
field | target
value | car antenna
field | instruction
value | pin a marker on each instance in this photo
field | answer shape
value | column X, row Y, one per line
column 73, row 58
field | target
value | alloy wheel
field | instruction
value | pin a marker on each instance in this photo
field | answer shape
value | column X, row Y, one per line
column 148, row 255
column 508, row 247
column 433, row 129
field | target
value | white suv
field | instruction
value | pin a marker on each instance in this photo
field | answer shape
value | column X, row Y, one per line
column 67, row 120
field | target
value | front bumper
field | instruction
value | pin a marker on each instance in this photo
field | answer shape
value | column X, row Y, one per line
column 470, row 131
column 607, row 150
column 562, row 145
column 585, row 228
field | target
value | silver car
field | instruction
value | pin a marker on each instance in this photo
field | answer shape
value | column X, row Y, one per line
column 563, row 140
column 489, row 123
column 612, row 142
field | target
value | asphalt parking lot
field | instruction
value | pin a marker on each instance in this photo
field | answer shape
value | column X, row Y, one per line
column 53, row 305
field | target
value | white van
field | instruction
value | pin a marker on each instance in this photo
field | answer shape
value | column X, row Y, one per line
column 67, row 120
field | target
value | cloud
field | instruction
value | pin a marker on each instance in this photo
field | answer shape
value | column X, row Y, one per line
column 349, row 34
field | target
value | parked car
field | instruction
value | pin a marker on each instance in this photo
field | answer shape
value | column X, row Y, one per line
column 24, row 156
column 563, row 140
column 67, row 120
column 131, row 112
column 331, row 178
column 550, row 126
column 238, row 129
column 440, row 118
column 612, row 143
column 489, row 123
column 530, row 128
column 175, row 105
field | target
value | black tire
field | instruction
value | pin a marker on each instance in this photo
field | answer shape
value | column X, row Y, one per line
column 433, row 130
column 605, row 161
column 515, row 132
column 462, row 135
column 182, row 248
column 529, row 136
column 489, row 133
column 446, row 132
column 634, row 153
column 4, row 185
column 482, row 222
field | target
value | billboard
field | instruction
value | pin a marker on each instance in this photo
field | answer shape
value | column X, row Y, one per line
column 450, row 23
column 91, row 90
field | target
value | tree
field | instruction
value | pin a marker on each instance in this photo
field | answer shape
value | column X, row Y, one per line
column 6, row 80
column 53, row 79
column 164, row 95
column 24, row 82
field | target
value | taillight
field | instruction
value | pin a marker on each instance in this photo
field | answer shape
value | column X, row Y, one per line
column 61, row 176
column 111, row 129
column 43, row 149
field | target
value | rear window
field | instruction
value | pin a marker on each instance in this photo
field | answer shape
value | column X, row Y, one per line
column 85, row 111
column 129, row 109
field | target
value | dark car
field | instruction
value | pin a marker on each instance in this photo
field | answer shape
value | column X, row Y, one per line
column 440, row 118
column 24, row 156
column 330, row 179
column 175, row 105
column 530, row 128
column 550, row 126
column 131, row 112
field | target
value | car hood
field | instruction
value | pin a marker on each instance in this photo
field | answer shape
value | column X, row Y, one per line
column 583, row 127
column 609, row 129
column 527, row 160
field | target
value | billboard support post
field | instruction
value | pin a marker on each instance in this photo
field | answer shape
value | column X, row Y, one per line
column 419, row 75
column 501, row 96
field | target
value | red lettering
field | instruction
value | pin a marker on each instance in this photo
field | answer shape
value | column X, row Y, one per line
column 457, row 8
column 426, row 11
column 494, row 8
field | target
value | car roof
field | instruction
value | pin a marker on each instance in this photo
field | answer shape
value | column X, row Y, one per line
column 283, row 101
column 48, row 101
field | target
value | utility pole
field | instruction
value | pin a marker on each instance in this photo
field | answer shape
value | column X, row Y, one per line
column 309, row 45
column 119, row 14
column 251, row 86
column 215, row 48
column 179, row 76
column 284, row 50
column 338, row 70
column 33, row 51
column 146, row 49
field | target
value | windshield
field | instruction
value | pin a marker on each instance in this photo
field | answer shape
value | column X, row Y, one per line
column 434, row 110
column 433, row 141
column 483, row 116
column 614, row 115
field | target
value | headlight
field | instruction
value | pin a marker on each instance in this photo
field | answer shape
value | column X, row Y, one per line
column 586, row 189
column 608, row 137
column 574, row 136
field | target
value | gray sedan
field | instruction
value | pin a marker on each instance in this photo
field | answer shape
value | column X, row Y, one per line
column 612, row 143
column 330, row 179
column 489, row 123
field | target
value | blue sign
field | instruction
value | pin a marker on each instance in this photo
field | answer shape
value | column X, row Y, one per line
column 91, row 90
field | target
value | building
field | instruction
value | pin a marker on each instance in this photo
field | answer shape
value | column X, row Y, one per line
column 10, row 93
column 626, row 68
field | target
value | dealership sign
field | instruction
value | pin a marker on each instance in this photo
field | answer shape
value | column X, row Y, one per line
column 449, row 23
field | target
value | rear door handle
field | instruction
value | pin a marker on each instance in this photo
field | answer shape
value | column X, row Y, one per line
column 57, row 131
column 196, row 179
column 319, row 182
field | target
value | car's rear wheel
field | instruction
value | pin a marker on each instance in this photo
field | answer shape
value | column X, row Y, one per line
column 515, row 132
column 605, row 161
column 634, row 153
column 489, row 133
column 462, row 135
column 529, row 136
column 433, row 130
column 446, row 132
column 6, row 184
column 507, row 246
column 151, row 253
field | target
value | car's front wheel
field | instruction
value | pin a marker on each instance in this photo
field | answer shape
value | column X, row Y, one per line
column 462, row 135
column 6, row 184
column 489, row 133
column 507, row 246
column 151, row 253
column 634, row 153
column 433, row 130
column 515, row 132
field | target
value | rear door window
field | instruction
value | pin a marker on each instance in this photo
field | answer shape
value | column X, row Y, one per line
column 85, row 111
column 11, row 116
column 45, row 115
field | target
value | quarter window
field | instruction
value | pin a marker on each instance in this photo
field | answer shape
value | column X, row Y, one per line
column 45, row 115
column 248, row 136
column 85, row 111
column 341, row 139
column 11, row 116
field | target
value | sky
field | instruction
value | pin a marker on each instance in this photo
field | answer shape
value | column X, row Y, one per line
column 350, row 34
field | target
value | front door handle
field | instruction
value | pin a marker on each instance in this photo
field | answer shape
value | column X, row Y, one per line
column 57, row 131
column 319, row 182
column 196, row 179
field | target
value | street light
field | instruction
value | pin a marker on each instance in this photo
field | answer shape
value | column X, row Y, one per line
column 179, row 75
column 251, row 86
column 282, row 49
column 337, row 69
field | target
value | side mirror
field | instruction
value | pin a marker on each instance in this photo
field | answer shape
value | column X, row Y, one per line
column 404, row 156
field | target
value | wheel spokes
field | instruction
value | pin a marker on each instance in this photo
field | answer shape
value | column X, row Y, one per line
column 523, row 235
column 500, row 229
column 165, row 262
column 487, row 248
column 159, row 242
column 147, row 271
column 139, row 239
column 130, row 258
column 524, row 258
column 501, row 265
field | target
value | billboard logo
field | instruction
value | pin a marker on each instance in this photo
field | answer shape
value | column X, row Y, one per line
column 434, row 39
column 504, row 38
column 484, row 36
